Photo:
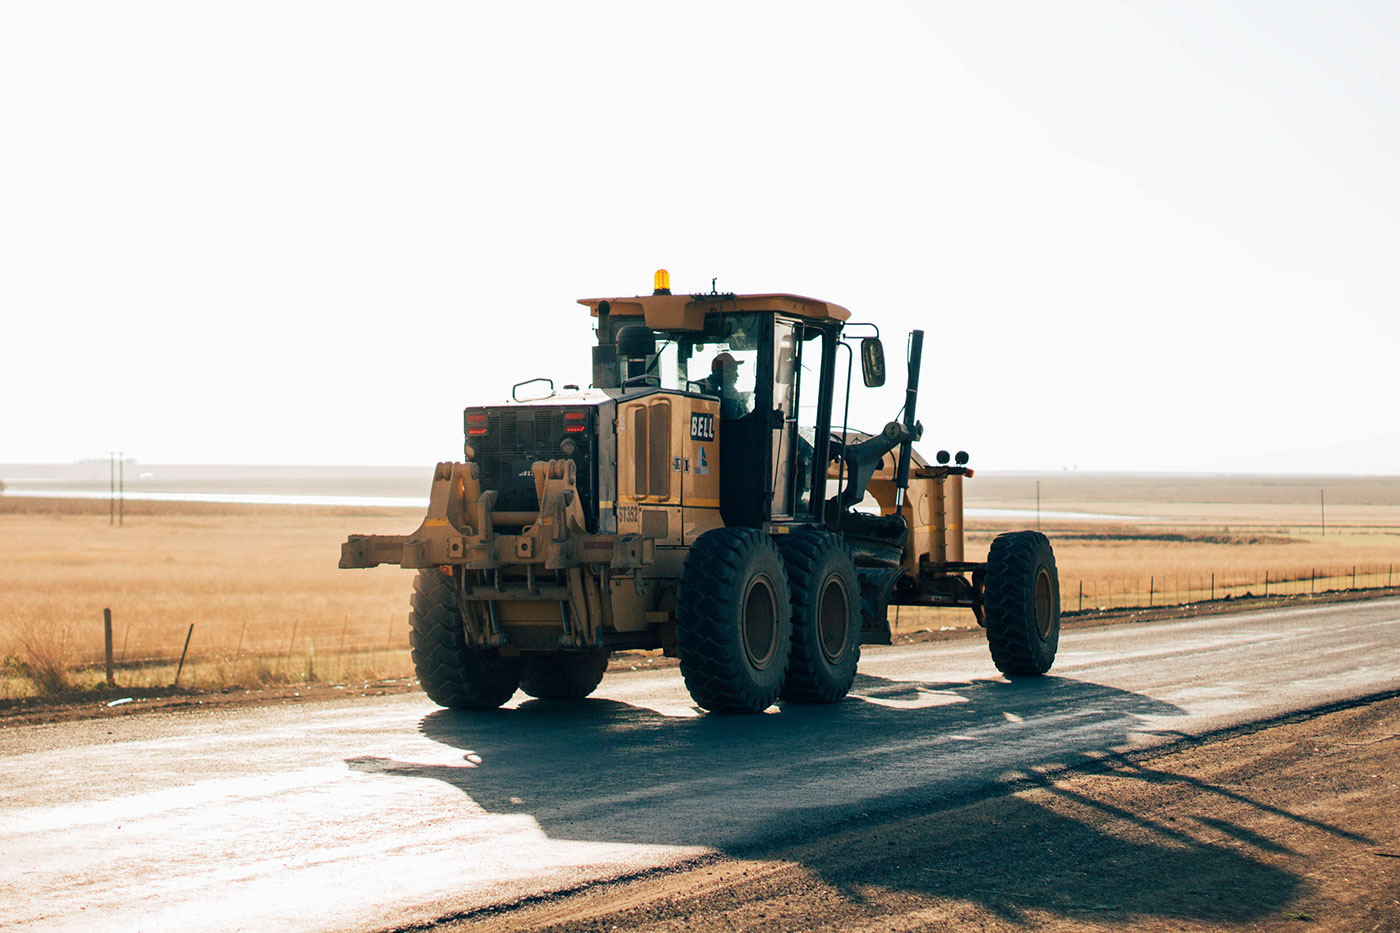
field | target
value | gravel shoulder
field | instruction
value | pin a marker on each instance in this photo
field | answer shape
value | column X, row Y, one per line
column 1290, row 825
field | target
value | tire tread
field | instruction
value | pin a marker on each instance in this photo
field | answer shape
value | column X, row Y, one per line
column 452, row 674
column 1009, row 604
column 809, row 677
column 712, row 657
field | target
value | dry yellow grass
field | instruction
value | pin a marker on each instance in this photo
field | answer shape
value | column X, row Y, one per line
column 259, row 584
column 268, row 604
column 1178, row 531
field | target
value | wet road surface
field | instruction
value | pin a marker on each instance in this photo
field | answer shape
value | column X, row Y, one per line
column 373, row 814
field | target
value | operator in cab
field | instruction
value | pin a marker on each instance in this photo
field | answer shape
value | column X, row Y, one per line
column 723, row 381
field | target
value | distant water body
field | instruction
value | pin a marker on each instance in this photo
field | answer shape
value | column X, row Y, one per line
column 422, row 502
column 230, row 497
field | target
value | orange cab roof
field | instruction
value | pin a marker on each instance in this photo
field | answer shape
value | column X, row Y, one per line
column 687, row 312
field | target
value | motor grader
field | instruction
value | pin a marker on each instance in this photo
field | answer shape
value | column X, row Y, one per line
column 704, row 497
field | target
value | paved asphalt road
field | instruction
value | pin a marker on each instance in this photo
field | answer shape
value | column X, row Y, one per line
column 376, row 813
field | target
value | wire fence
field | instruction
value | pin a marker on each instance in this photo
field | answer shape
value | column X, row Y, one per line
column 356, row 647
column 352, row 647
column 1109, row 593
column 1183, row 590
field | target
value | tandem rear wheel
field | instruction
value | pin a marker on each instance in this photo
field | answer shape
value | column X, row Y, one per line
column 452, row 674
column 825, row 616
column 562, row 675
column 734, row 621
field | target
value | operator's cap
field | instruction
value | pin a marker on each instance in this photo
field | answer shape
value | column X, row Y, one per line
column 722, row 361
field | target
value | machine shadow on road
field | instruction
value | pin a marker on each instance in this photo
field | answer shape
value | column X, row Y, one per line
column 897, row 753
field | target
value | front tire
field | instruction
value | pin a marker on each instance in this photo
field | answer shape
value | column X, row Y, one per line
column 734, row 621
column 825, row 616
column 451, row 673
column 1021, row 603
column 563, row 675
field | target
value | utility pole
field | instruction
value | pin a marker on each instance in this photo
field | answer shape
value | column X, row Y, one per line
column 121, row 488
column 112, row 487
column 1037, row 505
column 1322, row 506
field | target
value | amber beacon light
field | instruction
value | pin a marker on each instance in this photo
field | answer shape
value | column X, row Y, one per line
column 661, row 283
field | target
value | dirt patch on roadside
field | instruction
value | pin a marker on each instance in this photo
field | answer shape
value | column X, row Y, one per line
column 127, row 702
column 1293, row 826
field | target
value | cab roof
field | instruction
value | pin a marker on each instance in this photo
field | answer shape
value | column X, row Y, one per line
column 687, row 312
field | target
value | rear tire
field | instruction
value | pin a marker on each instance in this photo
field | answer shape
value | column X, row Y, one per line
column 734, row 621
column 563, row 675
column 1021, row 603
column 451, row 673
column 825, row 616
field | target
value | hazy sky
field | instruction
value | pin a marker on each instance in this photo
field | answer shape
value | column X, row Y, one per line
column 1139, row 235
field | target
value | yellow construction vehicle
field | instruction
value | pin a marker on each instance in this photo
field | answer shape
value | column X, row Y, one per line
column 702, row 497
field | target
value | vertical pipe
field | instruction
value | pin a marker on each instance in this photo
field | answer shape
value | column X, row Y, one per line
column 911, row 400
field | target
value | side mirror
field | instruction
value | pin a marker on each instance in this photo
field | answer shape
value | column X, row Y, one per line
column 782, row 369
column 872, row 362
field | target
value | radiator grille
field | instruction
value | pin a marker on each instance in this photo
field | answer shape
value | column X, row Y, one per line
column 516, row 437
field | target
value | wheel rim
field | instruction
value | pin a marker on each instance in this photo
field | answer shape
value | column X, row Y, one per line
column 760, row 623
column 1044, row 604
column 834, row 621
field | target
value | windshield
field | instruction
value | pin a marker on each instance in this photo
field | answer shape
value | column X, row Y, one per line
column 721, row 360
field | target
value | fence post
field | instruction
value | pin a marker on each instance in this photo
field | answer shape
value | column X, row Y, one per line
column 1353, row 576
column 1212, row 586
column 107, row 645
column 1151, row 589
column 340, row 657
column 182, row 656
column 1081, row 595
column 1266, row 583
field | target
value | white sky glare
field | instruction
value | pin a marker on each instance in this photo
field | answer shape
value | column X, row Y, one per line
column 1140, row 236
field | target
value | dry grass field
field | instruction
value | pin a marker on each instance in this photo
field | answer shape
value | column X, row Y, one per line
column 258, row 583
column 260, row 586
column 1178, row 531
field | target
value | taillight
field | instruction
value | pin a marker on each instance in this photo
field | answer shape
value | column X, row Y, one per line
column 574, row 422
column 476, row 423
